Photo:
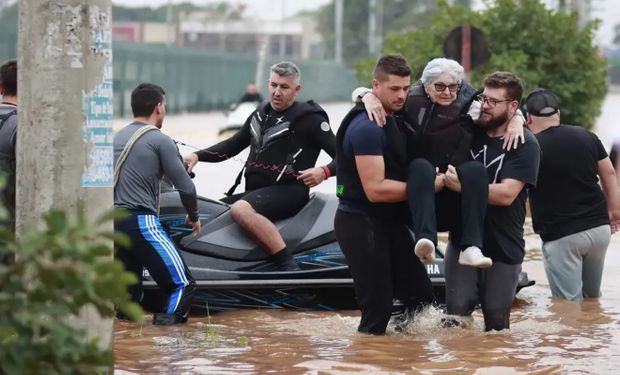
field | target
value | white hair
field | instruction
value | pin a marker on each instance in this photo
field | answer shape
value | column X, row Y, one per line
column 439, row 66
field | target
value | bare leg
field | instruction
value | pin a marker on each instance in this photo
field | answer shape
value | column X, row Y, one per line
column 261, row 229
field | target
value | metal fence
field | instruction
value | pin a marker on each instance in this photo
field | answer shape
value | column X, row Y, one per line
column 199, row 80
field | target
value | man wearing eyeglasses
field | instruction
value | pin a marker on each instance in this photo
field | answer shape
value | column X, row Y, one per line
column 437, row 108
column 510, row 173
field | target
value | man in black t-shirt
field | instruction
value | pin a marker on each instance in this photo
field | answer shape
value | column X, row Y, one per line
column 570, row 212
column 372, row 217
column 509, row 174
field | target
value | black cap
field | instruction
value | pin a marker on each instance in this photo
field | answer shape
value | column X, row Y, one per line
column 542, row 103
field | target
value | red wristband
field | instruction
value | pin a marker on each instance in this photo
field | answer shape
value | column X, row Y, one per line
column 327, row 172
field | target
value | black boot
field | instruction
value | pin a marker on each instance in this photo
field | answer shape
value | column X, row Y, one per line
column 284, row 261
column 163, row 319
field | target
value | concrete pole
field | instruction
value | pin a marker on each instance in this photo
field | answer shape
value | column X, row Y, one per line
column 64, row 137
column 338, row 12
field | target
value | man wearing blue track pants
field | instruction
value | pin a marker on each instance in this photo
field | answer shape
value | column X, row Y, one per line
column 142, row 156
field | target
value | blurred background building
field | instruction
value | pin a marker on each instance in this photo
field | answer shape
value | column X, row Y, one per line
column 206, row 52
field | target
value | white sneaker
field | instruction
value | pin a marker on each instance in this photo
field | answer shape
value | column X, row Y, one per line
column 472, row 256
column 425, row 250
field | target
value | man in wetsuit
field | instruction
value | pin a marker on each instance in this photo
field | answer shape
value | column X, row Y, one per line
column 285, row 137
column 142, row 157
column 372, row 219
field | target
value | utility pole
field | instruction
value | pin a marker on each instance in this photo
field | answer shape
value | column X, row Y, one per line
column 582, row 7
column 338, row 7
column 379, row 31
column 282, row 29
column 375, row 27
column 169, row 25
column 372, row 27
column 64, row 141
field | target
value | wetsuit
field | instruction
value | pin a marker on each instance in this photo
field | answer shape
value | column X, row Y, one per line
column 153, row 156
column 374, row 237
column 288, row 141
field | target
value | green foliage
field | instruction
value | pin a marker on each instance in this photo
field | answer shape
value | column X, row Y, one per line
column 544, row 47
column 244, row 341
column 57, row 272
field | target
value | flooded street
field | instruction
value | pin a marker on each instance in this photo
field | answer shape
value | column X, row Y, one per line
column 546, row 336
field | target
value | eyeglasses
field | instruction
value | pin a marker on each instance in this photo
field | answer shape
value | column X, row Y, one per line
column 440, row 87
column 490, row 101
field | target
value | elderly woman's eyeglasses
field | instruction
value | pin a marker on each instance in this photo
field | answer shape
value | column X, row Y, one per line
column 490, row 101
column 441, row 87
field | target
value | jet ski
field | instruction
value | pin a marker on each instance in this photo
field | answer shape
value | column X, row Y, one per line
column 236, row 117
column 232, row 272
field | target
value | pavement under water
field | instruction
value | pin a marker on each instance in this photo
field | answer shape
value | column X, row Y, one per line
column 547, row 336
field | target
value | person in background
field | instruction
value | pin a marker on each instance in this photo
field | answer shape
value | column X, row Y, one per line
column 570, row 212
column 251, row 94
column 8, row 135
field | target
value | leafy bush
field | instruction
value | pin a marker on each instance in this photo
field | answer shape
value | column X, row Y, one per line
column 58, row 272
column 546, row 48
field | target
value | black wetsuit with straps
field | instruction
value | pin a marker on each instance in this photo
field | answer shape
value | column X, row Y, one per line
column 289, row 140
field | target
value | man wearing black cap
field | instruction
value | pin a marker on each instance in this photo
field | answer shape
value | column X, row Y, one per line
column 569, row 211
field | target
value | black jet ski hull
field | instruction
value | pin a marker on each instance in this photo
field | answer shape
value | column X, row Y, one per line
column 232, row 272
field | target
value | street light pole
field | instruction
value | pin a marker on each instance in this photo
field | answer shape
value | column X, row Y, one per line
column 338, row 30
column 372, row 26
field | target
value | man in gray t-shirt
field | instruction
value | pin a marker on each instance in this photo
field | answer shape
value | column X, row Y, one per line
column 8, row 132
column 138, row 173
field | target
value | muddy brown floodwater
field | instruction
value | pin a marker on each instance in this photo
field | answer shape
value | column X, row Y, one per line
column 546, row 337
